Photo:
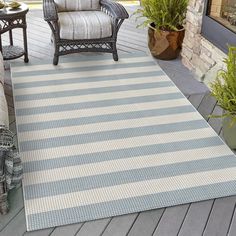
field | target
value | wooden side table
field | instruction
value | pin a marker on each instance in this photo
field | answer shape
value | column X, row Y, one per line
column 9, row 20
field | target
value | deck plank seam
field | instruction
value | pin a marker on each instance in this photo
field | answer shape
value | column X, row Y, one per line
column 158, row 222
column 204, row 229
column 231, row 220
column 106, row 226
column 132, row 224
column 183, row 219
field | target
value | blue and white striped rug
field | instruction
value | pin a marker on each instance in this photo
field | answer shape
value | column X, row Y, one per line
column 100, row 138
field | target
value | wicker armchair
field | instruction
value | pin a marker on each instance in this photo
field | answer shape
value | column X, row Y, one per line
column 84, row 25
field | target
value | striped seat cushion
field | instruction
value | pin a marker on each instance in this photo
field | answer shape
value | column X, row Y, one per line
column 77, row 5
column 84, row 25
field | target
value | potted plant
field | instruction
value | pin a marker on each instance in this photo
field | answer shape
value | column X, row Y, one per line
column 224, row 90
column 165, row 21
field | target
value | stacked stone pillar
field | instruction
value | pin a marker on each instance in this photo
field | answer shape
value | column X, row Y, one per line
column 198, row 54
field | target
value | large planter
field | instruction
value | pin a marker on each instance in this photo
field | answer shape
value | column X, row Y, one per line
column 165, row 45
column 229, row 132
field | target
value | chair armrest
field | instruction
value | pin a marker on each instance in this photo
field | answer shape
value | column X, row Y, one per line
column 116, row 9
column 50, row 10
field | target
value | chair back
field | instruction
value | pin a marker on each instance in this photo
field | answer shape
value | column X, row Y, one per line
column 77, row 5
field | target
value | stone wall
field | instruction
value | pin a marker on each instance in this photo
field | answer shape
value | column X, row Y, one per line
column 198, row 54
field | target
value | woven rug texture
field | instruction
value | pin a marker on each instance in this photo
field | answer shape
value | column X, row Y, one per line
column 100, row 138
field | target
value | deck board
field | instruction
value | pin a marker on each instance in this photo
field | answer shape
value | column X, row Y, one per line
column 16, row 203
column 212, row 217
column 95, row 227
column 215, row 123
column 120, row 225
column 68, row 230
column 16, row 226
column 146, row 223
column 43, row 232
column 171, row 220
column 207, row 106
column 220, row 217
column 196, row 99
column 196, row 218
column 232, row 228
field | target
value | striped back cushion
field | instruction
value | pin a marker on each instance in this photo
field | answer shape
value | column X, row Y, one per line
column 77, row 5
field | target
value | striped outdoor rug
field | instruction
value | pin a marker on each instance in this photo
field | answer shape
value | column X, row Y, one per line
column 100, row 138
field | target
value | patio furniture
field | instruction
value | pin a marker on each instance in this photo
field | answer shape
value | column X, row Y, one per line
column 11, row 19
column 10, row 164
column 84, row 26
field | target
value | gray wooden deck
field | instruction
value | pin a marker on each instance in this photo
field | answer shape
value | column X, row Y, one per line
column 209, row 218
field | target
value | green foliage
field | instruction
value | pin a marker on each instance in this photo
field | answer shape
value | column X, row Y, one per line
column 224, row 87
column 165, row 14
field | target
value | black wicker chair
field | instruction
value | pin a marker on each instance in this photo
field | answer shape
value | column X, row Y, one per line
column 65, row 45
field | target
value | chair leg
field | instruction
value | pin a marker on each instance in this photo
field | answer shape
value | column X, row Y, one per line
column 56, row 55
column 55, row 60
column 115, row 54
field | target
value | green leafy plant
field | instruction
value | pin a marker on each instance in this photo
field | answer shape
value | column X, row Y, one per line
column 164, row 14
column 224, row 87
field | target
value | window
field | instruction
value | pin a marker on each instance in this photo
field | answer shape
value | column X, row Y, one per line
column 224, row 11
column 219, row 23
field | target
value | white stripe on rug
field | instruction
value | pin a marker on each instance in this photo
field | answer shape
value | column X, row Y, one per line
column 101, row 111
column 105, row 126
column 79, row 64
column 113, row 72
column 66, row 87
column 106, row 167
column 123, row 191
column 94, row 97
column 117, row 144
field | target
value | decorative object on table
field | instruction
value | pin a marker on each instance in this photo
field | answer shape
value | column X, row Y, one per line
column 11, row 19
column 14, row 4
column 165, row 21
column 2, row 5
column 224, row 90
column 96, row 28
column 100, row 138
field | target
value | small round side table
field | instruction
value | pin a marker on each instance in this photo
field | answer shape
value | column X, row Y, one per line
column 9, row 20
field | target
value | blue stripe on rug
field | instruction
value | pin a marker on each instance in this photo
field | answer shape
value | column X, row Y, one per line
column 81, row 92
column 130, row 205
column 84, row 58
column 111, row 135
column 127, row 176
column 97, row 157
column 80, row 69
column 54, row 82
column 103, row 103
column 104, row 118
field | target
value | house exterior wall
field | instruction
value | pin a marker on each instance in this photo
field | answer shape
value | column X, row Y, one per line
column 198, row 54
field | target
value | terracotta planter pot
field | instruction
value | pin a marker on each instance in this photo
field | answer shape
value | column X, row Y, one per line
column 229, row 132
column 165, row 45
